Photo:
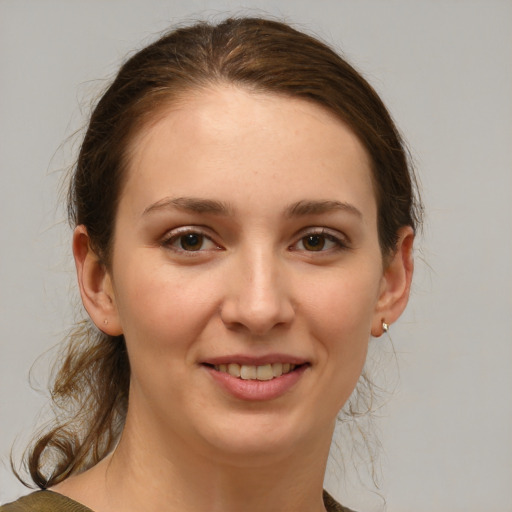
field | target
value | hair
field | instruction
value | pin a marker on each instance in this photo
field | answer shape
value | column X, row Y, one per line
column 91, row 386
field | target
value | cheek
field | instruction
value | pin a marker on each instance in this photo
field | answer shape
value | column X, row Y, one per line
column 341, row 314
column 346, row 302
column 342, row 329
column 161, row 310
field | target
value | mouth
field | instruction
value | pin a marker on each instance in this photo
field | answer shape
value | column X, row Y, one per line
column 262, row 378
column 263, row 372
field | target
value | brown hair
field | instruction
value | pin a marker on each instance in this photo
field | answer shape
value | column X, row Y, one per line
column 258, row 54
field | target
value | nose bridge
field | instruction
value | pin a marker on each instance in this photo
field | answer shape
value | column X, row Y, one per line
column 262, row 280
column 259, row 297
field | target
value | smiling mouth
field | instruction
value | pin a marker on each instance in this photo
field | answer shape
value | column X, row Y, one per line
column 253, row 372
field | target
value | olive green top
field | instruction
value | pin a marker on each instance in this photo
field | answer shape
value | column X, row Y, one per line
column 48, row 501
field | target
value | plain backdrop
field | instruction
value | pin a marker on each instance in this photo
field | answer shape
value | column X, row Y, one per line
column 444, row 68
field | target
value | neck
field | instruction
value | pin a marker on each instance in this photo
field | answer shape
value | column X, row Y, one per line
column 187, row 480
column 140, row 475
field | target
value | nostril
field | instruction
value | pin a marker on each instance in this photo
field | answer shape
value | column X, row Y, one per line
column 257, row 298
column 257, row 320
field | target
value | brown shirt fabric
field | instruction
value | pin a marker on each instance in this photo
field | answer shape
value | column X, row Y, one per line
column 48, row 501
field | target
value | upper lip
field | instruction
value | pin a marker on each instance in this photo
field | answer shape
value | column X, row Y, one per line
column 244, row 359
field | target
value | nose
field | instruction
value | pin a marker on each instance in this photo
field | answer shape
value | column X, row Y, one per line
column 258, row 296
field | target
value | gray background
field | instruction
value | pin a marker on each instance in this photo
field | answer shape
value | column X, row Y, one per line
column 444, row 68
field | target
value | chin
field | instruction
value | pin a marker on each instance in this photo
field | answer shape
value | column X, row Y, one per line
column 257, row 438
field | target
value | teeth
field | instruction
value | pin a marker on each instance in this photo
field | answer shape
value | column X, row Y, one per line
column 233, row 369
column 251, row 372
column 248, row 372
column 277, row 369
column 264, row 372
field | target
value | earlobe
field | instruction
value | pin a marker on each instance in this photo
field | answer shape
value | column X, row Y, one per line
column 95, row 284
column 396, row 284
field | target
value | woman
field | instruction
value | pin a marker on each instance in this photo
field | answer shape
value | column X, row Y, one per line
column 244, row 218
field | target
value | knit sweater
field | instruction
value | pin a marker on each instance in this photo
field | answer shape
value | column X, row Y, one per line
column 48, row 501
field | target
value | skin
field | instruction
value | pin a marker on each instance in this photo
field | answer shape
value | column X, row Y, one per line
column 255, row 286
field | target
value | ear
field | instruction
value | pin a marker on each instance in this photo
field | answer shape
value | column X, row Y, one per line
column 95, row 284
column 396, row 283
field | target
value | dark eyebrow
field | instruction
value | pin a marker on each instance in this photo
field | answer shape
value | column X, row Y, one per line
column 199, row 205
column 190, row 204
column 318, row 207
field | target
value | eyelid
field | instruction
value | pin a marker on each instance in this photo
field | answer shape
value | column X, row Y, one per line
column 340, row 239
column 174, row 234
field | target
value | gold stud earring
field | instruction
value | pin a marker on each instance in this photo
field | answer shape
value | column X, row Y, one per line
column 385, row 327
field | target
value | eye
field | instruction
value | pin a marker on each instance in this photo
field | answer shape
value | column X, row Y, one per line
column 319, row 242
column 189, row 241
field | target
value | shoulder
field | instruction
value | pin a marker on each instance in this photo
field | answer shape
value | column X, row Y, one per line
column 48, row 501
column 44, row 501
column 331, row 505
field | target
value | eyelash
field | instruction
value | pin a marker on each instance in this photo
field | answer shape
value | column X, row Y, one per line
column 340, row 243
column 176, row 237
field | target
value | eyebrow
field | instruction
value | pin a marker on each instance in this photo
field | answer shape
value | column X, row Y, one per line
column 302, row 208
column 190, row 204
column 298, row 209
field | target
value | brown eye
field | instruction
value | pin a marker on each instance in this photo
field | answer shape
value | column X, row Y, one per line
column 313, row 242
column 186, row 240
column 191, row 241
column 319, row 241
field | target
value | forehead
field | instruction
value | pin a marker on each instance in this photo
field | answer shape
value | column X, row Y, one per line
column 224, row 139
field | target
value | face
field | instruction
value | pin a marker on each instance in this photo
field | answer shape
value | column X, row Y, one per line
column 246, row 272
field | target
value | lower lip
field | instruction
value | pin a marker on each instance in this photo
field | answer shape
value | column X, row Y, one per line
column 257, row 390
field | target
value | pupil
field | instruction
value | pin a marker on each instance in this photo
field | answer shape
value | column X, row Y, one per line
column 314, row 242
column 191, row 242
